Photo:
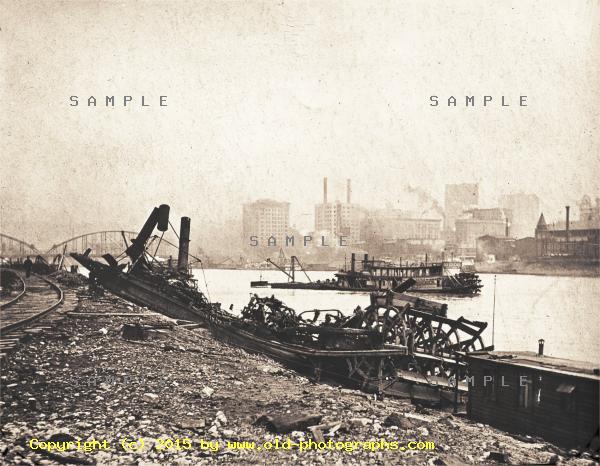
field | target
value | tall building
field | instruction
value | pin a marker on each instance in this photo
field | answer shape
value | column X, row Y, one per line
column 338, row 218
column 265, row 219
column 459, row 198
column 525, row 210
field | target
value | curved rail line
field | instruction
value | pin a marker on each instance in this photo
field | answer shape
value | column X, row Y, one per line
column 39, row 297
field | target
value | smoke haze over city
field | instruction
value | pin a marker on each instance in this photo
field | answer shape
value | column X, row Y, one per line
column 281, row 102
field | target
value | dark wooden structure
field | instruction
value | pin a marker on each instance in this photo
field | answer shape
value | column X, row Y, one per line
column 523, row 392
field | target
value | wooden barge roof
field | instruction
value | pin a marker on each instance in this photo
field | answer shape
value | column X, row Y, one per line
column 531, row 360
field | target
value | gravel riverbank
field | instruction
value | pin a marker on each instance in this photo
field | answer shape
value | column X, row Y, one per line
column 82, row 380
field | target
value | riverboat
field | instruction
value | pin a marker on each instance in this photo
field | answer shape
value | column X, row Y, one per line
column 446, row 277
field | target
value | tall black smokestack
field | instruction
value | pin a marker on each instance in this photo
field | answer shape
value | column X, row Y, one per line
column 348, row 191
column 567, row 224
column 137, row 246
column 325, row 190
column 184, row 244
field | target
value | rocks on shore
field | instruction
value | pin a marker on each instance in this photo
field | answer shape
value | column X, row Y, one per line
column 85, row 381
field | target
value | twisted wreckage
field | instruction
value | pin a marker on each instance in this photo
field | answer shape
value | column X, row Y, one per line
column 397, row 345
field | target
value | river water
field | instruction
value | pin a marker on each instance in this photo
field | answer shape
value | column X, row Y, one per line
column 563, row 311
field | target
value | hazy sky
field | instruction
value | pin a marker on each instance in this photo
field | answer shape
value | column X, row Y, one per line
column 266, row 98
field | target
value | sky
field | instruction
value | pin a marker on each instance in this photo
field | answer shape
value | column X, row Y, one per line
column 266, row 98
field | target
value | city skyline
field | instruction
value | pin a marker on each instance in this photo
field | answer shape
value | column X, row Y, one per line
column 304, row 213
column 555, row 213
column 428, row 227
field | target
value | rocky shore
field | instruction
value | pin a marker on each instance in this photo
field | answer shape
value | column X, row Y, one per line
column 178, row 387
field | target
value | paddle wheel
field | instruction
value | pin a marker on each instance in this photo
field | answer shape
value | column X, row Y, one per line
column 392, row 320
column 470, row 281
column 433, row 340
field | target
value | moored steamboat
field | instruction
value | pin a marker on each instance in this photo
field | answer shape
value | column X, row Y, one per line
column 446, row 277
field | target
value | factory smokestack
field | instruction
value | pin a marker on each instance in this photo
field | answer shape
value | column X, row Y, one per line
column 325, row 190
column 568, row 208
column 348, row 191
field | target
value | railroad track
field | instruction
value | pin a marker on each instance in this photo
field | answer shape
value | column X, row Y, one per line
column 38, row 298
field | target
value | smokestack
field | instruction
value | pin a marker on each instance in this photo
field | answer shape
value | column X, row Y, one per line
column 163, row 217
column 325, row 190
column 541, row 347
column 567, row 224
column 348, row 191
column 137, row 246
column 184, row 244
column 506, row 228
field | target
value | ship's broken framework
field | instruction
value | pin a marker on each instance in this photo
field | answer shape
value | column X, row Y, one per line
column 396, row 343
column 391, row 320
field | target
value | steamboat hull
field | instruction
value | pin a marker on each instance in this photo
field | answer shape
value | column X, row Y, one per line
column 457, row 290
column 361, row 368
column 391, row 279
column 342, row 365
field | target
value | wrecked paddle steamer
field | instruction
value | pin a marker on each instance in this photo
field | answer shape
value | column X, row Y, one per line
column 169, row 289
column 376, row 275
column 395, row 345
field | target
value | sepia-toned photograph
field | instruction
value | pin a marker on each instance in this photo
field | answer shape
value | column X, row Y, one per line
column 299, row 232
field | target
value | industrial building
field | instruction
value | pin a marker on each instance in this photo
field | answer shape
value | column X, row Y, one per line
column 476, row 223
column 397, row 224
column 339, row 218
column 397, row 233
column 571, row 240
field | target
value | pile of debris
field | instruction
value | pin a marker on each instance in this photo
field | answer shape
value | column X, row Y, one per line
column 69, row 279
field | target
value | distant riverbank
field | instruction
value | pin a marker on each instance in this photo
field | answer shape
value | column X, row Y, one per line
column 539, row 268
